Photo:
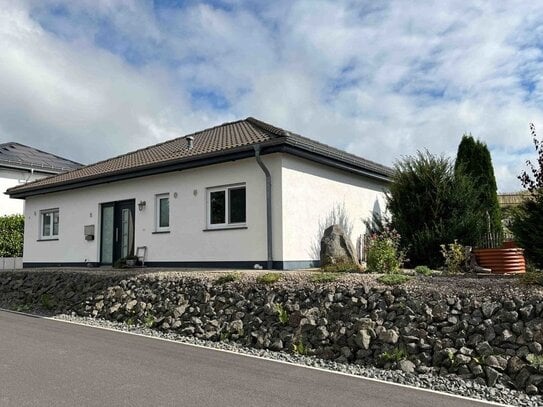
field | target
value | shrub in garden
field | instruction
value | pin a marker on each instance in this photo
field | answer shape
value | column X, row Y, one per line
column 384, row 253
column 342, row 268
column 455, row 257
column 527, row 219
column 11, row 235
column 268, row 278
column 431, row 204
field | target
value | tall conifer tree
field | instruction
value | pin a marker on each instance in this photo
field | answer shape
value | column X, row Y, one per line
column 473, row 160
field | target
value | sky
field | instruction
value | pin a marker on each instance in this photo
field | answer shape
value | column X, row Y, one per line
column 91, row 79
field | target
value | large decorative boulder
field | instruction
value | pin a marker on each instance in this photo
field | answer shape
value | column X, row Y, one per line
column 336, row 247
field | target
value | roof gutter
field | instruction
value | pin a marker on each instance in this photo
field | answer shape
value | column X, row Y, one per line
column 269, row 225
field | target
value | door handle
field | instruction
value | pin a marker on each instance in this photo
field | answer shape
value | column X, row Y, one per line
column 116, row 234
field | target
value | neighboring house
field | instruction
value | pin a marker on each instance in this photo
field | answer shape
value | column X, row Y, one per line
column 20, row 164
column 235, row 195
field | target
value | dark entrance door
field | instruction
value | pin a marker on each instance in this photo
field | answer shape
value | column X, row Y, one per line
column 117, row 232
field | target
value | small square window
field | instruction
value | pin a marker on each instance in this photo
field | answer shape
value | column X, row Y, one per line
column 162, row 212
column 227, row 206
column 49, row 224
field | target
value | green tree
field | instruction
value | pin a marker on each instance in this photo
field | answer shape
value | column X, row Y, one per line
column 430, row 205
column 527, row 222
column 11, row 235
column 473, row 160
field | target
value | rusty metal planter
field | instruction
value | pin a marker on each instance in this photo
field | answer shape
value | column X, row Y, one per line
column 502, row 260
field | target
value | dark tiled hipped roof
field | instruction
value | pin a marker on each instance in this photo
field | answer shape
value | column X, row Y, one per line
column 16, row 155
column 225, row 139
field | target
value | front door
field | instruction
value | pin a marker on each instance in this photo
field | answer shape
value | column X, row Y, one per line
column 117, row 232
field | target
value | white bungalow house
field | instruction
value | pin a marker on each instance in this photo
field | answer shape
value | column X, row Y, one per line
column 20, row 164
column 235, row 195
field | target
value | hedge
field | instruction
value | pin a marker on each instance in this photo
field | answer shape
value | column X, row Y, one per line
column 11, row 235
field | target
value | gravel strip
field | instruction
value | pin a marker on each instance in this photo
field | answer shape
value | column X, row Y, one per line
column 449, row 384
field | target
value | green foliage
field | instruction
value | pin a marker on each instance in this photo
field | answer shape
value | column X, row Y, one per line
column 23, row 308
column 424, row 270
column 527, row 226
column 342, row 268
column 527, row 220
column 394, row 355
column 268, row 278
column 11, row 235
column 282, row 314
column 431, row 204
column 227, row 278
column 474, row 161
column 455, row 257
column 384, row 253
column 324, row 277
column 393, row 279
column 531, row 278
column 130, row 321
column 299, row 348
column 535, row 360
column 148, row 321
column 534, row 182
column 48, row 301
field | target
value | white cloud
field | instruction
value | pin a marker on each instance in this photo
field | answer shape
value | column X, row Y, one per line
column 380, row 79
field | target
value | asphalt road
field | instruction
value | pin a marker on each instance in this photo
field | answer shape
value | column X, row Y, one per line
column 51, row 363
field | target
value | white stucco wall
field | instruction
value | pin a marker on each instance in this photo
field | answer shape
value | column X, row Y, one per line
column 11, row 178
column 186, row 241
column 310, row 192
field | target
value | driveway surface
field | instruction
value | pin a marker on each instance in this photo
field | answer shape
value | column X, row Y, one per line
column 51, row 363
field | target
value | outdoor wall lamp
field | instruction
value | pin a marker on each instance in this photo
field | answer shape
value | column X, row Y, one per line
column 141, row 205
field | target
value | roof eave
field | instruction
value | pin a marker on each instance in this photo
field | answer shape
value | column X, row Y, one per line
column 277, row 145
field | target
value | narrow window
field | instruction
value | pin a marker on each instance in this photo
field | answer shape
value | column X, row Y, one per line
column 227, row 206
column 162, row 212
column 49, row 224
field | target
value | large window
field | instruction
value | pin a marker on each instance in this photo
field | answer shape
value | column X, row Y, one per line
column 49, row 224
column 226, row 206
column 163, row 213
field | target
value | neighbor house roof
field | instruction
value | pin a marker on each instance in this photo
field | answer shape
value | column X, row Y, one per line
column 512, row 199
column 16, row 155
column 226, row 142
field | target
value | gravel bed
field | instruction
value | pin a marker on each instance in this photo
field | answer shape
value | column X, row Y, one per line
column 449, row 384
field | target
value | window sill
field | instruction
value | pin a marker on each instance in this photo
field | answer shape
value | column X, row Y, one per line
column 160, row 232
column 47, row 240
column 225, row 228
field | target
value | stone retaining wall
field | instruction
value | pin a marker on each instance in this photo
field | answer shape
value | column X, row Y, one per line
column 491, row 338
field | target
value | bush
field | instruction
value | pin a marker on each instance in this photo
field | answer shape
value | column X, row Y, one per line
column 268, row 278
column 384, row 254
column 227, row 278
column 393, row 279
column 527, row 219
column 424, row 270
column 11, row 235
column 342, row 268
column 455, row 257
column 324, row 277
column 430, row 204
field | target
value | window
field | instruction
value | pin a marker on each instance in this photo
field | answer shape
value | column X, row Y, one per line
column 162, row 212
column 49, row 224
column 226, row 206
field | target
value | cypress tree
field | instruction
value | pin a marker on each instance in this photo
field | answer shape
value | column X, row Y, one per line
column 473, row 160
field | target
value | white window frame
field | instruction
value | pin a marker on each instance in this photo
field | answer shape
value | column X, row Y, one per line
column 227, row 224
column 158, row 228
column 51, row 213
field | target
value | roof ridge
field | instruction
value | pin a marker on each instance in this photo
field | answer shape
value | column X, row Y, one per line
column 291, row 135
column 270, row 128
